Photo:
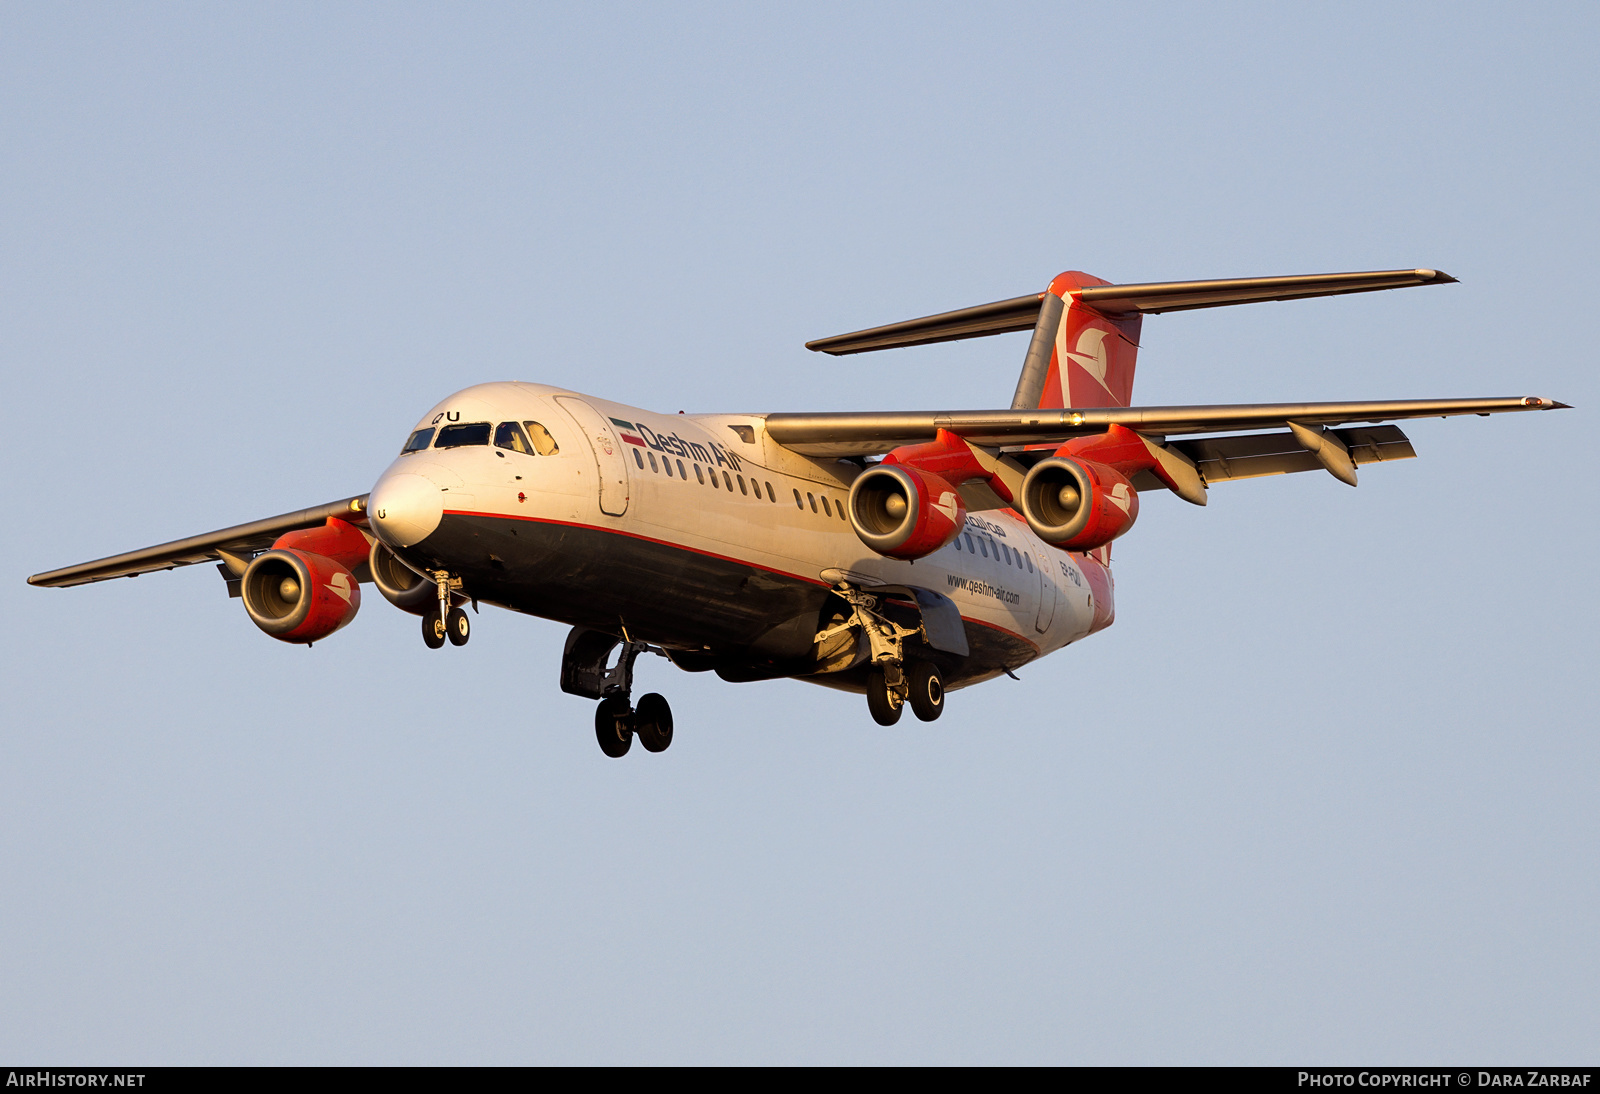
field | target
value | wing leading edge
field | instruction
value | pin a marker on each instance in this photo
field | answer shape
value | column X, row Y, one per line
column 241, row 541
column 868, row 434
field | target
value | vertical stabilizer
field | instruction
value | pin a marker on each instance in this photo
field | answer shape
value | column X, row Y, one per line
column 1078, row 357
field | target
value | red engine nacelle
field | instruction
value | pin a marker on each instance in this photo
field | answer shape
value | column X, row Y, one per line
column 298, row 596
column 905, row 512
column 1078, row 504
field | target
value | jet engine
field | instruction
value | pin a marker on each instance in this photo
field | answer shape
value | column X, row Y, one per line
column 905, row 512
column 400, row 584
column 298, row 596
column 1078, row 504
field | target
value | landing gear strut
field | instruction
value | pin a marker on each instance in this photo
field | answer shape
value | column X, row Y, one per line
column 587, row 670
column 891, row 684
column 443, row 620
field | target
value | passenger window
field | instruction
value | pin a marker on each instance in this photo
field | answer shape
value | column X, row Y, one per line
column 653, row 462
column 666, row 465
column 1005, row 553
column 638, row 459
column 773, row 498
column 957, row 542
column 459, row 436
column 983, row 547
column 726, row 481
column 1029, row 561
column 417, row 442
column 840, row 506
column 970, row 551
column 510, row 435
column 543, row 443
column 798, row 504
column 699, row 474
column 742, row 489
column 713, row 480
column 825, row 510
column 812, row 499
column 682, row 474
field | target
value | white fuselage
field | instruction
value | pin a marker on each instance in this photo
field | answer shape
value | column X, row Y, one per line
column 712, row 486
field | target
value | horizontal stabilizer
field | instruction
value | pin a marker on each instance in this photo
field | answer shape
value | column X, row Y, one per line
column 866, row 434
column 1022, row 312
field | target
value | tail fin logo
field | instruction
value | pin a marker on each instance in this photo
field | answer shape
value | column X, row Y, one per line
column 1090, row 354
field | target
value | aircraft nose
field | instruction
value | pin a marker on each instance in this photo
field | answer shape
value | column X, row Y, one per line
column 405, row 509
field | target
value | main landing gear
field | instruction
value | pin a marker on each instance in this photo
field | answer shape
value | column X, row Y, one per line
column 587, row 669
column 890, row 689
column 891, row 683
column 444, row 621
column 616, row 724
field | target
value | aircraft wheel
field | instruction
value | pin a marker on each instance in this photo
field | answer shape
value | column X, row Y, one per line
column 652, row 721
column 927, row 691
column 432, row 629
column 884, row 704
column 613, row 726
column 458, row 626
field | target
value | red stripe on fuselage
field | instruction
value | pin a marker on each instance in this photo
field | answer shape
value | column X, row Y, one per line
column 707, row 554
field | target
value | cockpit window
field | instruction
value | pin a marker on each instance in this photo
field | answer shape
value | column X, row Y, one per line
column 456, row 436
column 419, row 440
column 543, row 443
column 510, row 435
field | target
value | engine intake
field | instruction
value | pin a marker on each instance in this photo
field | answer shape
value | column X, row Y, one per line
column 904, row 512
column 1078, row 504
column 297, row 596
column 399, row 584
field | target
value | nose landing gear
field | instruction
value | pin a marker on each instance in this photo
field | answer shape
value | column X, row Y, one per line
column 444, row 621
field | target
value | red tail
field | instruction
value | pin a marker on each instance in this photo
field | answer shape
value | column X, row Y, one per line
column 1092, row 359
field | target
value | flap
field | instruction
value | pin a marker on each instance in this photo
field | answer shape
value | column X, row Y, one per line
column 1257, row 454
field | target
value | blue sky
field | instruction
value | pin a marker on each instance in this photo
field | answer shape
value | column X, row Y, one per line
column 1325, row 791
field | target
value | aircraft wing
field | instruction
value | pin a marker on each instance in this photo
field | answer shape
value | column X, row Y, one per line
column 241, row 541
column 868, row 434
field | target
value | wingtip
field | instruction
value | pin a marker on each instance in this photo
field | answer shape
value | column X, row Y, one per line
column 1559, row 406
column 1437, row 277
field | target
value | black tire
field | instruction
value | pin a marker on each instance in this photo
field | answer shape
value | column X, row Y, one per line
column 927, row 691
column 432, row 629
column 458, row 626
column 613, row 726
column 884, row 704
column 652, row 721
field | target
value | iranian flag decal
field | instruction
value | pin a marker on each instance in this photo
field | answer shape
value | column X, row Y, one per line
column 628, row 432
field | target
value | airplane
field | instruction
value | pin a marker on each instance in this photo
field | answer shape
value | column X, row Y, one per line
column 901, row 555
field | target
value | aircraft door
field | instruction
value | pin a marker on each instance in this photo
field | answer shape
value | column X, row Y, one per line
column 1047, row 591
column 609, row 458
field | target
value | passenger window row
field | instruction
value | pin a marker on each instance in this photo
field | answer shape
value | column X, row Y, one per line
column 1001, row 552
column 672, row 467
column 826, row 509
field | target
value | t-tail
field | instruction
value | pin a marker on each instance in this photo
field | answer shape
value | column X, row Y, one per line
column 1086, row 330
